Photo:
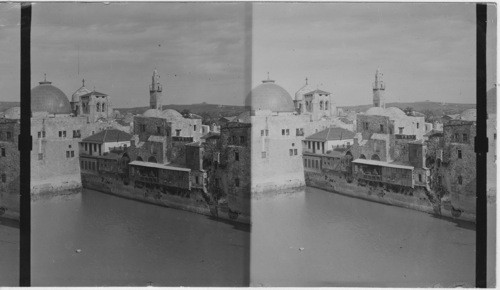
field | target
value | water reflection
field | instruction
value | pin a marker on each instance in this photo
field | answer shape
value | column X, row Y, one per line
column 317, row 238
column 9, row 252
column 125, row 242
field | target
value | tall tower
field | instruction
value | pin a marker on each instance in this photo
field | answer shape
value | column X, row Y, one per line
column 155, row 92
column 378, row 90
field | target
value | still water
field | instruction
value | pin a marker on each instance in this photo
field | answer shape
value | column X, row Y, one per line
column 125, row 242
column 307, row 238
column 318, row 238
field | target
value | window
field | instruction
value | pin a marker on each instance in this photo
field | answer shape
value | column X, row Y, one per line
column 177, row 132
column 142, row 128
column 242, row 139
column 263, row 154
column 287, row 132
column 459, row 154
column 67, row 154
column 418, row 125
column 86, row 149
column 295, row 152
column 237, row 182
column 72, row 153
column 194, row 128
column 261, row 132
column 267, row 132
column 40, row 156
column 465, row 138
column 9, row 135
column 3, row 152
column 291, row 152
column 460, row 180
column 401, row 130
column 456, row 137
column 43, row 134
column 283, row 132
column 158, row 130
column 365, row 125
column 98, row 107
column 60, row 134
column 4, row 178
column 39, row 134
column 381, row 128
column 420, row 176
column 197, row 180
column 236, row 156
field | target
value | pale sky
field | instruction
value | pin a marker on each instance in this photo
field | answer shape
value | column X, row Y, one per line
column 426, row 51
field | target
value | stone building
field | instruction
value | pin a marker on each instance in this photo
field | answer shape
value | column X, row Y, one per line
column 9, row 168
column 91, row 104
column 328, row 140
column 277, row 132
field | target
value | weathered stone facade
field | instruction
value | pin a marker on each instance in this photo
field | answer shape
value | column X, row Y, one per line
column 9, row 168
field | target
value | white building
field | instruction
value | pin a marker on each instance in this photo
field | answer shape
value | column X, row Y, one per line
column 329, row 139
column 104, row 141
column 277, row 134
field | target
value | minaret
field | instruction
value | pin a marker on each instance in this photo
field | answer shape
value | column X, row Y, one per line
column 155, row 92
column 378, row 90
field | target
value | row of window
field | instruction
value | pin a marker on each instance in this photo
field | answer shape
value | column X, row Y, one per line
column 70, row 154
column 98, row 107
column 456, row 138
column 235, row 138
column 7, row 134
column 284, row 132
column 308, row 163
column 293, row 152
column 88, row 165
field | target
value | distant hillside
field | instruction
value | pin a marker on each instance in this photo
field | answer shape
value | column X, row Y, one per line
column 7, row 105
column 199, row 109
column 434, row 108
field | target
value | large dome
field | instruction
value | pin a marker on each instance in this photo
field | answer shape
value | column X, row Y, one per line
column 269, row 96
column 48, row 98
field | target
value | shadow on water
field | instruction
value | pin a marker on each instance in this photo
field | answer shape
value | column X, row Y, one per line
column 236, row 225
column 458, row 223
column 9, row 222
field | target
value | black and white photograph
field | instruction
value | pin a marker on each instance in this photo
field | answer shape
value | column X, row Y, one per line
column 237, row 144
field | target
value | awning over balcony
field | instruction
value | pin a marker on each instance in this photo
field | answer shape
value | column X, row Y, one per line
column 160, row 166
column 381, row 163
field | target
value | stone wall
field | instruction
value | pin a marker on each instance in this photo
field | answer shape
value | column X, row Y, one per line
column 9, row 168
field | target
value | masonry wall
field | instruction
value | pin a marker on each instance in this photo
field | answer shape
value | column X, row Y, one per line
column 9, row 166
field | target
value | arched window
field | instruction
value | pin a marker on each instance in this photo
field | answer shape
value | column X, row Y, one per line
column 321, row 105
column 104, row 107
column 362, row 156
column 460, row 179
column 152, row 159
column 139, row 158
column 375, row 157
column 98, row 107
column 326, row 105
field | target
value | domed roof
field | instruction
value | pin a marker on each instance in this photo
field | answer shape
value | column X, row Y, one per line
column 391, row 112
column 269, row 96
column 80, row 92
column 48, row 98
column 168, row 114
column 152, row 113
column 469, row 115
column 171, row 115
column 299, row 95
column 13, row 113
